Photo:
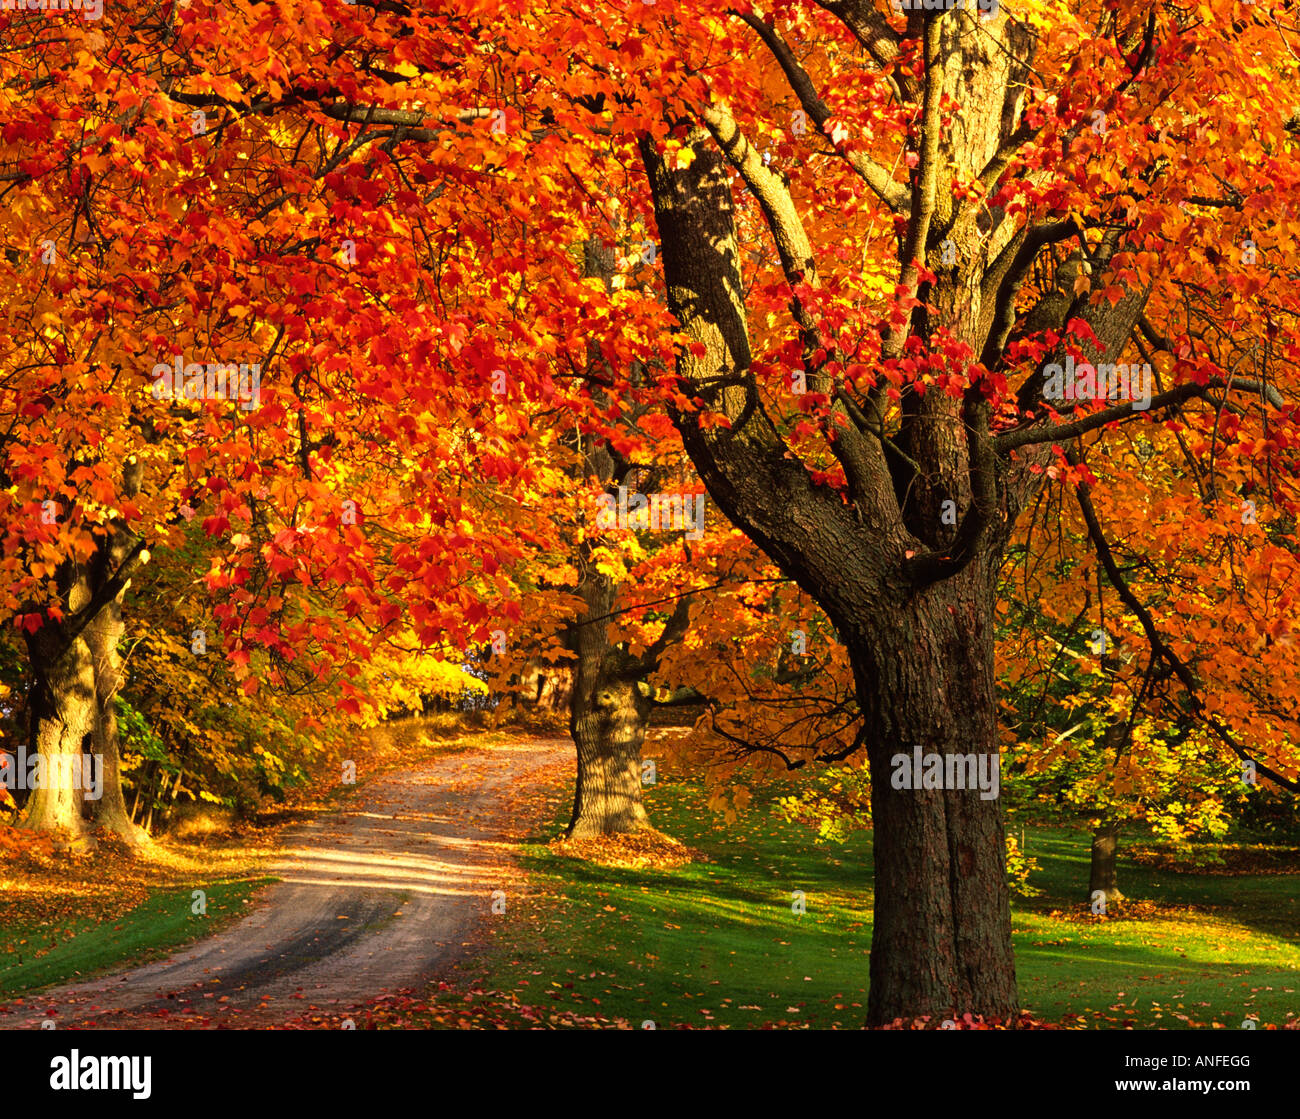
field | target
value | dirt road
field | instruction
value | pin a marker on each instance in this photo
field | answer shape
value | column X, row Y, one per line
column 372, row 898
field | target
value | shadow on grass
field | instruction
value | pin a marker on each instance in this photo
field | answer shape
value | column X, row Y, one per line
column 723, row 935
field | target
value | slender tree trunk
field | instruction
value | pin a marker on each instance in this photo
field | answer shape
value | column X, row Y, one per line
column 556, row 690
column 110, row 810
column 1105, row 839
column 170, row 808
column 544, row 687
column 1102, row 873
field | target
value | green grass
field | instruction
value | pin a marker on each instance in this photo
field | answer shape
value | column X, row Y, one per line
column 711, row 942
column 84, row 947
column 1232, row 953
column 718, row 944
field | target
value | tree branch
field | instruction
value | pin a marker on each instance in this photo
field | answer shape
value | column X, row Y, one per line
column 1028, row 436
column 875, row 175
column 108, row 590
column 1157, row 643
column 855, row 452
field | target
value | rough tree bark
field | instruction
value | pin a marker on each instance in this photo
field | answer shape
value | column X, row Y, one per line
column 922, row 655
column 67, row 699
column 609, row 713
column 923, row 675
column 1101, row 871
column 610, row 701
column 608, row 716
column 63, row 718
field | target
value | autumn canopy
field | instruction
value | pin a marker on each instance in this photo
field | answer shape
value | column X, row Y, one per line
column 966, row 334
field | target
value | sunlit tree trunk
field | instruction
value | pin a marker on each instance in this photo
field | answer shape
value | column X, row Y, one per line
column 102, row 636
column 110, row 810
column 76, row 673
column 608, row 716
column 1102, row 875
column 63, row 725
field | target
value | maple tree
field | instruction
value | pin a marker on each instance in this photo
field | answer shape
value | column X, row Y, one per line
column 878, row 233
column 316, row 492
column 575, row 620
column 889, row 490
column 611, row 614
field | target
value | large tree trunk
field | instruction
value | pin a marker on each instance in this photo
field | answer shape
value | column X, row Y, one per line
column 941, row 940
column 608, row 724
column 1101, row 873
column 910, row 593
column 608, row 715
column 901, row 554
column 63, row 718
column 76, row 674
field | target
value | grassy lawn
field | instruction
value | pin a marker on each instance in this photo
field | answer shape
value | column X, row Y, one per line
column 1228, row 947
column 717, row 943
column 41, row 955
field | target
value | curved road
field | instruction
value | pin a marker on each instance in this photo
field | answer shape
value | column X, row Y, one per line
column 375, row 897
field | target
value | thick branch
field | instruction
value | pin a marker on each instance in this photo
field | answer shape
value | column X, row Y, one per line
column 676, row 628
column 925, row 185
column 855, row 452
column 682, row 697
column 108, row 590
column 872, row 30
column 1009, row 272
column 930, row 567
